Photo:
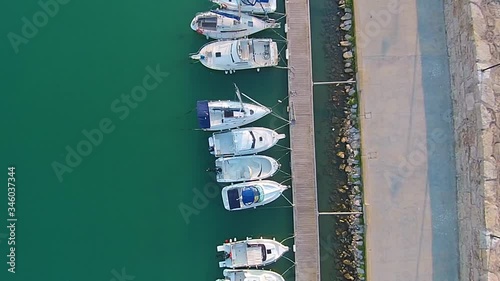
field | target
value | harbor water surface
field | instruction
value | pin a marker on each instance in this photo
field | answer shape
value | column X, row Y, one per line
column 110, row 188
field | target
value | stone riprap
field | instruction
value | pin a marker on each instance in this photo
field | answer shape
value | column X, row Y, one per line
column 473, row 35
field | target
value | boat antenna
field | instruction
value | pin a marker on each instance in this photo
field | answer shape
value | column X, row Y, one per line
column 238, row 94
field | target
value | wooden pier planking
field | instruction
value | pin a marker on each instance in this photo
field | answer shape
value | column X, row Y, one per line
column 303, row 160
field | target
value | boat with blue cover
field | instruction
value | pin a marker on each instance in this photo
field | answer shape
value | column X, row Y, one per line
column 248, row 6
column 250, row 195
column 225, row 24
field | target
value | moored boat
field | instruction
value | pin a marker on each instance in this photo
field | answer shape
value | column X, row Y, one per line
column 250, row 275
column 250, row 252
column 245, row 168
column 249, row 6
column 243, row 141
column 225, row 24
column 250, row 195
column 224, row 115
column 238, row 54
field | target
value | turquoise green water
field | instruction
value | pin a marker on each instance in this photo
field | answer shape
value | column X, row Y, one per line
column 118, row 209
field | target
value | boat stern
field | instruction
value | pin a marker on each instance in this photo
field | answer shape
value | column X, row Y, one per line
column 225, row 251
column 219, row 170
column 225, row 199
column 218, row 2
column 231, row 198
column 194, row 23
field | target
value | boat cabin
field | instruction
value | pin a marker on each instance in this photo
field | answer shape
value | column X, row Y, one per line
column 244, row 254
column 207, row 23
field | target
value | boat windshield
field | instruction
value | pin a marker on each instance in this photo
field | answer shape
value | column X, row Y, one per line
column 251, row 195
column 253, row 139
column 243, row 49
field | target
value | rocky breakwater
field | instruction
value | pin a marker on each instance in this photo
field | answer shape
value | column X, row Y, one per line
column 349, row 227
column 347, row 198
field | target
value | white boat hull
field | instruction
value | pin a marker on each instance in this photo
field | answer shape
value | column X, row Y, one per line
column 251, row 253
column 250, row 195
column 224, row 115
column 243, row 141
column 260, row 7
column 222, row 24
column 238, row 54
column 250, row 274
column 245, row 168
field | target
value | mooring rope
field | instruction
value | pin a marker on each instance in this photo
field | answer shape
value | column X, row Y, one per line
column 282, row 146
column 289, row 268
column 279, row 117
column 288, row 152
column 290, row 260
column 284, row 125
column 279, row 102
column 291, row 204
column 281, row 36
column 290, row 237
column 284, row 172
column 285, row 180
column 283, row 15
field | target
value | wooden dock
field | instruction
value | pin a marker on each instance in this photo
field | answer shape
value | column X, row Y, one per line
column 303, row 160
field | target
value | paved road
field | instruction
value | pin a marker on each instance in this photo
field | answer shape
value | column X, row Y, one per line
column 407, row 135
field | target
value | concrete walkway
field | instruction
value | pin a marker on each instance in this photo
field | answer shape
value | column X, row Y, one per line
column 407, row 138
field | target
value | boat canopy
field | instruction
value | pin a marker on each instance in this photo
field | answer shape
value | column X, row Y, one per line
column 203, row 114
column 226, row 14
column 250, row 195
